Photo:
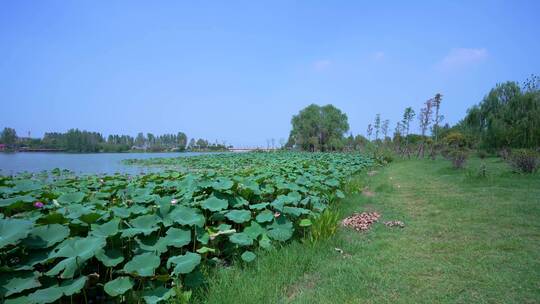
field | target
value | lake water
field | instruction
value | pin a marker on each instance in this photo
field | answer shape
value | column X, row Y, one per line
column 109, row 163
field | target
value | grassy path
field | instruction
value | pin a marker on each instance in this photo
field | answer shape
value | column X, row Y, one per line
column 467, row 240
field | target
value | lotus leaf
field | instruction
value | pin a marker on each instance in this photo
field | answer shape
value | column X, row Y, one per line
column 46, row 235
column 118, row 286
column 265, row 216
column 157, row 295
column 242, row 239
column 70, row 198
column 215, row 204
column 13, row 284
column 184, row 263
column 13, row 230
column 143, row 265
column 239, row 216
column 248, row 256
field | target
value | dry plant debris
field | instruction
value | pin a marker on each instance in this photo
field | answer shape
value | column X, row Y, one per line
column 399, row 224
column 361, row 221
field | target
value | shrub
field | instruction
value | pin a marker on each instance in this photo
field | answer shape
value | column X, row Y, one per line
column 525, row 160
column 458, row 157
column 482, row 154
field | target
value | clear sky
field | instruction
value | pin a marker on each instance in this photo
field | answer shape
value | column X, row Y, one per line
column 237, row 71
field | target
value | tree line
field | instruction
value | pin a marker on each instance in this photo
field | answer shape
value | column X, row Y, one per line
column 81, row 141
column 508, row 117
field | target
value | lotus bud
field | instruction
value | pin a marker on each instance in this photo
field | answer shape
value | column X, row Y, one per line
column 39, row 204
column 174, row 202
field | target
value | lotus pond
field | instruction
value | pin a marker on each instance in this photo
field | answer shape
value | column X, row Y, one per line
column 121, row 238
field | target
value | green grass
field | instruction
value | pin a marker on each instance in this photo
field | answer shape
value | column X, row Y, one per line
column 467, row 239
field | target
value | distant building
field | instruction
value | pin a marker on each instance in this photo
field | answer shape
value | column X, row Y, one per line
column 3, row 147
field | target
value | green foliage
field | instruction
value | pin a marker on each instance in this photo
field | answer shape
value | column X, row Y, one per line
column 318, row 128
column 8, row 136
column 525, row 160
column 146, row 236
column 324, row 225
column 509, row 116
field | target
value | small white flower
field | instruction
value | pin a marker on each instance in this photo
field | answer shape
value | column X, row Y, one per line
column 174, row 202
column 55, row 202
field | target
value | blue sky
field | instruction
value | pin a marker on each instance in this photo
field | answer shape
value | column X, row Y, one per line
column 237, row 71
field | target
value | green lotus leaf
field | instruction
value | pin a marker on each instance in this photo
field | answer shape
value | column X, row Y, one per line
column 118, row 286
column 215, row 204
column 34, row 257
column 204, row 250
column 106, row 229
column 68, row 267
column 242, row 239
column 19, row 300
column 202, row 235
column 259, row 206
column 254, row 230
column 305, row 223
column 13, row 230
column 223, row 227
column 184, row 263
column 281, row 229
column 251, row 185
column 70, row 198
column 223, row 184
column 265, row 242
column 265, row 216
column 177, row 237
column 239, row 216
column 10, row 202
column 121, row 212
column 26, row 186
column 340, row 194
column 143, row 265
column 74, row 286
column 144, row 224
column 278, row 203
column 248, row 256
column 83, row 248
column 16, row 283
column 332, row 182
column 157, row 295
column 295, row 211
column 74, row 211
column 46, row 295
column 110, row 257
column 46, row 235
column 187, row 216
column 238, row 202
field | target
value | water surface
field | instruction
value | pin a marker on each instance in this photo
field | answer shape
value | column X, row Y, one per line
column 84, row 163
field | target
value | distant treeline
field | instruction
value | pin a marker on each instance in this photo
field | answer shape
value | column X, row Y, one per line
column 76, row 140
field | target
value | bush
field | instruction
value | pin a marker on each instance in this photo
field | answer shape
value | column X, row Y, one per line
column 458, row 157
column 524, row 160
column 482, row 154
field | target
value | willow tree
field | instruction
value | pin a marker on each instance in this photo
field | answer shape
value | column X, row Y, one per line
column 319, row 128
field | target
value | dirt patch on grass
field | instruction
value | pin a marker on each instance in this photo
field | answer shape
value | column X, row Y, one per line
column 307, row 282
column 367, row 193
column 372, row 173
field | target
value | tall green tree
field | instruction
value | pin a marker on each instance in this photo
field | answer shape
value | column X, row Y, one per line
column 507, row 117
column 8, row 136
column 317, row 128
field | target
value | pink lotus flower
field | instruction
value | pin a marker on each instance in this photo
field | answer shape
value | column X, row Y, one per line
column 174, row 202
column 277, row 214
column 39, row 204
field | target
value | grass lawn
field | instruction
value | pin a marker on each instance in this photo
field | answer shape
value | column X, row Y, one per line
column 467, row 240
